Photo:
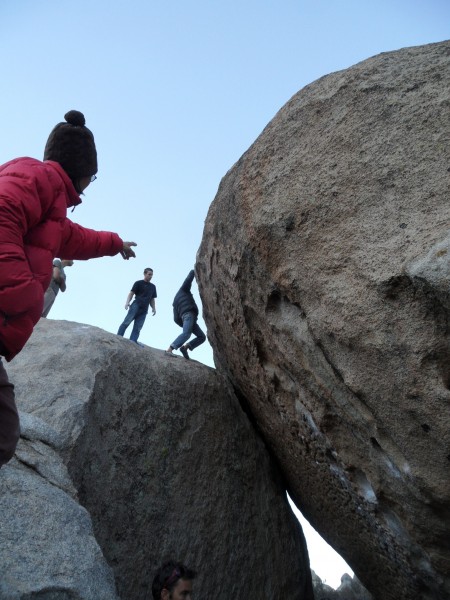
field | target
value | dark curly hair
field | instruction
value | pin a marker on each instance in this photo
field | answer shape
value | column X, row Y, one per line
column 168, row 575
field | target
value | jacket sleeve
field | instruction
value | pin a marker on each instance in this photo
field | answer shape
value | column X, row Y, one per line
column 80, row 243
column 186, row 287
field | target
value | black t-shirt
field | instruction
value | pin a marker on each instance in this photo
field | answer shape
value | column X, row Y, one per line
column 144, row 292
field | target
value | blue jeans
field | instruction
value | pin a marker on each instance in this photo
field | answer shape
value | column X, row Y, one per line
column 136, row 314
column 190, row 327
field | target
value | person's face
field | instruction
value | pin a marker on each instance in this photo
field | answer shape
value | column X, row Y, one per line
column 84, row 182
column 148, row 275
column 181, row 591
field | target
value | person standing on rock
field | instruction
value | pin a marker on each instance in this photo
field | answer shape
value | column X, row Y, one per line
column 34, row 228
column 173, row 581
column 185, row 314
column 57, row 283
column 145, row 293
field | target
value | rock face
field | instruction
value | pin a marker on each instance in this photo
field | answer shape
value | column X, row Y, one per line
column 324, row 273
column 164, row 462
column 48, row 549
column 350, row 589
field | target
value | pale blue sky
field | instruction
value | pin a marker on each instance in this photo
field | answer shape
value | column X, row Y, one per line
column 174, row 92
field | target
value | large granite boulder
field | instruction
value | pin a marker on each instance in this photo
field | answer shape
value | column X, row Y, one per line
column 48, row 550
column 164, row 460
column 324, row 272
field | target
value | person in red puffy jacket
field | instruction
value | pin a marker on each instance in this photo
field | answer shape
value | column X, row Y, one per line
column 34, row 228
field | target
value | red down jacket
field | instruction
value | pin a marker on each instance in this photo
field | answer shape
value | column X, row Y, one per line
column 34, row 228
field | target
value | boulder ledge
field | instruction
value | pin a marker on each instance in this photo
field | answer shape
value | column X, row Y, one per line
column 152, row 455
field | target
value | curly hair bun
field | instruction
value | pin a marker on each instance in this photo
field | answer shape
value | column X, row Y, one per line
column 74, row 117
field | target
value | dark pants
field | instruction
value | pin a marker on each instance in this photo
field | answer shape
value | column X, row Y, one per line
column 9, row 418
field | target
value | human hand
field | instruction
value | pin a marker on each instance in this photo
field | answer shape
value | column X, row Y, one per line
column 126, row 251
column 127, row 306
column 154, row 312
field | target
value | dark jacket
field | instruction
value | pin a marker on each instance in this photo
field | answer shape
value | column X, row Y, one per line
column 184, row 301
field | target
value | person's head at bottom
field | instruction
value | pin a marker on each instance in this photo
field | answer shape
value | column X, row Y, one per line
column 173, row 581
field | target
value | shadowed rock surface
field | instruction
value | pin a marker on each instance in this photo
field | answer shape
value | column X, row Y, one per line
column 160, row 453
column 324, row 274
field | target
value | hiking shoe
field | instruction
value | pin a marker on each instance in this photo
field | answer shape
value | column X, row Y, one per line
column 184, row 352
column 170, row 353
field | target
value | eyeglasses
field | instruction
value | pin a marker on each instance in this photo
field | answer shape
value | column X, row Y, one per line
column 93, row 178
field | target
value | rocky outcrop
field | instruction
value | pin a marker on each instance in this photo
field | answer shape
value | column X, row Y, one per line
column 152, row 455
column 350, row 589
column 324, row 273
column 48, row 549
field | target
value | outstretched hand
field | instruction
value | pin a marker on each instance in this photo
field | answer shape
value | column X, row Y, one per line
column 126, row 251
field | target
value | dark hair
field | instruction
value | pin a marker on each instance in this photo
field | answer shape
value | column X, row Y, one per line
column 168, row 575
column 147, row 269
